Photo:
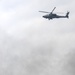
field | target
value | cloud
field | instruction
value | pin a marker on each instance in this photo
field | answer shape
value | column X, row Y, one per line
column 32, row 45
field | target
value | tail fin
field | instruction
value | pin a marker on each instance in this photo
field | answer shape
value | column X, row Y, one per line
column 67, row 14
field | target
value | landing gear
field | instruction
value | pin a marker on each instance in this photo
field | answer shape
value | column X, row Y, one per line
column 48, row 18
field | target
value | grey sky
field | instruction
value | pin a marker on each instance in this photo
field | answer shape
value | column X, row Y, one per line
column 32, row 45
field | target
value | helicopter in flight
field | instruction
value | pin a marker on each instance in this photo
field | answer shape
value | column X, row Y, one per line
column 52, row 15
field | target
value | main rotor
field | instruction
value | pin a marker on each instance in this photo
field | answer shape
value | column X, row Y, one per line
column 48, row 12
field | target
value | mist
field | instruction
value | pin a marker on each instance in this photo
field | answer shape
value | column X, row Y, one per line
column 32, row 45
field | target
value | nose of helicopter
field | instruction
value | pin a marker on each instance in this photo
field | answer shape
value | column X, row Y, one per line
column 43, row 16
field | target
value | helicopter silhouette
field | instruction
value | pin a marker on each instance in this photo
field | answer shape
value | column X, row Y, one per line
column 52, row 15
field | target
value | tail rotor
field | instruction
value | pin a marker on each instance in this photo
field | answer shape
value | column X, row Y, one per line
column 67, row 14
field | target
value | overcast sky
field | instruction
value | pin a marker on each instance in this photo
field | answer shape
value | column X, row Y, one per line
column 32, row 45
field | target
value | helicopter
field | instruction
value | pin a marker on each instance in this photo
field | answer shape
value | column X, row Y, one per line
column 52, row 15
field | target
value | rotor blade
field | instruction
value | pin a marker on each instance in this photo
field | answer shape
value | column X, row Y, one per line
column 50, row 12
column 44, row 12
column 53, row 9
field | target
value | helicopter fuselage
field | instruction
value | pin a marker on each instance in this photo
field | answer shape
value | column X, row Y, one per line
column 51, row 16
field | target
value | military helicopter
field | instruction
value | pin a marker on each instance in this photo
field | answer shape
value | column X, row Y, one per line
column 51, row 15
